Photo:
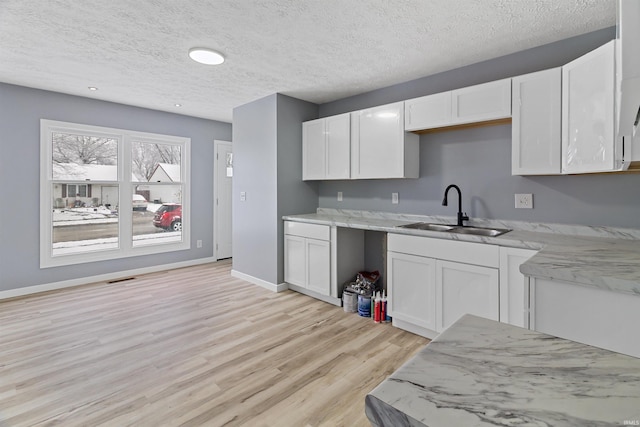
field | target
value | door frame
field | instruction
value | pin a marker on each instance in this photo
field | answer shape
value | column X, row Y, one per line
column 216, row 147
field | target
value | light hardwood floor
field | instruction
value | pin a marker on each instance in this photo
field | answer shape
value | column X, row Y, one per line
column 192, row 347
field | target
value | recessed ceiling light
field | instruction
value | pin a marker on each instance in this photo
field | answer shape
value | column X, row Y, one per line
column 93, row 88
column 178, row 105
column 206, row 56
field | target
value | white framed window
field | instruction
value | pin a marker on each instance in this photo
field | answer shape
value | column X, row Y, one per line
column 111, row 193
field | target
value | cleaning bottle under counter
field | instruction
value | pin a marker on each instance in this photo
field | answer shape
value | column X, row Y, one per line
column 377, row 310
column 383, row 308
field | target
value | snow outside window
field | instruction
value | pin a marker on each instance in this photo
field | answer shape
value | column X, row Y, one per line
column 103, row 192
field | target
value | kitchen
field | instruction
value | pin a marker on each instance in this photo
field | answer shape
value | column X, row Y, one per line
column 579, row 206
column 267, row 134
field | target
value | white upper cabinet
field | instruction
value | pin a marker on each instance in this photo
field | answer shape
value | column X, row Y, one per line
column 536, row 147
column 380, row 147
column 326, row 148
column 588, row 119
column 479, row 103
column 428, row 112
column 314, row 161
column 338, row 146
column 488, row 101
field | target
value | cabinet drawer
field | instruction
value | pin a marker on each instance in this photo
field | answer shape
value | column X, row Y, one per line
column 312, row 231
column 450, row 250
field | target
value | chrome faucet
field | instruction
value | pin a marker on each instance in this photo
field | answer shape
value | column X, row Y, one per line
column 461, row 216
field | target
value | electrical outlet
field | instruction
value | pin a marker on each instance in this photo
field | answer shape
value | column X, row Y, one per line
column 198, row 243
column 243, row 196
column 339, row 196
column 524, row 201
column 394, row 198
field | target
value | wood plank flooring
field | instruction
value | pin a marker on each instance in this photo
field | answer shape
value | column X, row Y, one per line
column 189, row 347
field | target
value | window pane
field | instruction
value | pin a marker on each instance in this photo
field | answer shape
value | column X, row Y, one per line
column 161, row 220
column 155, row 162
column 83, row 157
column 84, row 224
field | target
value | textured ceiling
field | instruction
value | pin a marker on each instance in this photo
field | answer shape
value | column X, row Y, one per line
column 135, row 51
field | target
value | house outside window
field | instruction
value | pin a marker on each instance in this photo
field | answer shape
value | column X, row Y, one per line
column 101, row 189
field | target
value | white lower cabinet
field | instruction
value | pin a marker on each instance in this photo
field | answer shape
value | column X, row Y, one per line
column 592, row 316
column 465, row 289
column 514, row 287
column 295, row 260
column 318, row 263
column 432, row 282
column 318, row 259
column 307, row 256
column 411, row 282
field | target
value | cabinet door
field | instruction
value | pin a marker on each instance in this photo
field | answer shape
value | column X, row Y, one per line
column 465, row 289
column 318, row 266
column 295, row 260
column 378, row 142
column 411, row 286
column 536, row 147
column 588, row 85
column 514, row 287
column 338, row 146
column 488, row 101
column 313, row 150
column 428, row 112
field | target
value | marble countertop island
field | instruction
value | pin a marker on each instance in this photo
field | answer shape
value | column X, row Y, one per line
column 601, row 257
column 484, row 373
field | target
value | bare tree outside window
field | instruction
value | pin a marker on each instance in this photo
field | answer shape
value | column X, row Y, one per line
column 145, row 158
column 84, row 149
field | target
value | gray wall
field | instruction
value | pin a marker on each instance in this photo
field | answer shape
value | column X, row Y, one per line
column 479, row 160
column 267, row 136
column 20, row 112
column 254, row 172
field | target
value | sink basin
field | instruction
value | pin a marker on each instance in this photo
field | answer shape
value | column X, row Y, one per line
column 429, row 226
column 476, row 231
column 480, row 231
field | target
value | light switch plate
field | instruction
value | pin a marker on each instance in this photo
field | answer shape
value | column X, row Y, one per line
column 243, row 196
column 394, row 198
column 524, row 201
column 339, row 196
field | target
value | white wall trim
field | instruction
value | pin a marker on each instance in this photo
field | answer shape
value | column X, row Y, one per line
column 262, row 283
column 13, row 293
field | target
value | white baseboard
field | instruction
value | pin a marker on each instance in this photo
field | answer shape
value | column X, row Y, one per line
column 262, row 283
column 13, row 293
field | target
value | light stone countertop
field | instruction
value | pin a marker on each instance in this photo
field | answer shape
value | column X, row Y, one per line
column 601, row 257
column 484, row 373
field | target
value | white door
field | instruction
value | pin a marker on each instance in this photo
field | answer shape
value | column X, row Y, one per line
column 588, row 120
column 314, row 150
column 536, row 147
column 223, row 173
column 412, row 290
column 338, row 146
column 465, row 289
column 295, row 260
column 377, row 142
column 318, row 269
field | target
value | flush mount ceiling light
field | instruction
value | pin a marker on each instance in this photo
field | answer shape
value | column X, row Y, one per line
column 206, row 56
column 93, row 88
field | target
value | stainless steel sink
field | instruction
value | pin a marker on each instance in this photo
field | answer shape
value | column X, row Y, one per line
column 480, row 231
column 429, row 226
column 476, row 231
